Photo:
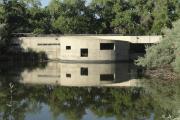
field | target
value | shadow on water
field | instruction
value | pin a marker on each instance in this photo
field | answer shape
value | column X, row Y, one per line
column 24, row 94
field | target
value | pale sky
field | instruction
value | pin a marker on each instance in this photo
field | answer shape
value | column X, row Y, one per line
column 44, row 2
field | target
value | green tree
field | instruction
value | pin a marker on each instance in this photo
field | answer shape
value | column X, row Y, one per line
column 16, row 16
column 164, row 53
column 103, row 11
column 31, row 3
column 39, row 20
column 73, row 17
column 141, row 17
column 1, row 13
column 164, row 13
column 14, row 20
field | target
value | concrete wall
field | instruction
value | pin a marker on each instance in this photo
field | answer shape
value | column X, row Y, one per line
column 119, row 53
column 49, row 45
column 55, row 47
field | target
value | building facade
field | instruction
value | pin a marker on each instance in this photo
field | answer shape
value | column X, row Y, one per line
column 86, row 47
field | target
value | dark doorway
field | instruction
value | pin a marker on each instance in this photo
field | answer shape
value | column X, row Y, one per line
column 106, row 46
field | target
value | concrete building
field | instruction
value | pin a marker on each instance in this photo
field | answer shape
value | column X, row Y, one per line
column 69, row 74
column 49, row 45
column 86, row 47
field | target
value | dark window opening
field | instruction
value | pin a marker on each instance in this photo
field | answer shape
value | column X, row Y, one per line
column 84, row 52
column 68, row 75
column 107, row 77
column 106, row 46
column 68, row 47
column 84, row 71
column 137, row 48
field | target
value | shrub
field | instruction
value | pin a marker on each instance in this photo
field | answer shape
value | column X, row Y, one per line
column 176, row 64
column 167, row 52
column 158, row 55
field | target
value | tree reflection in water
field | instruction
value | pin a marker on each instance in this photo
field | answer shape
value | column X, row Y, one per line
column 155, row 99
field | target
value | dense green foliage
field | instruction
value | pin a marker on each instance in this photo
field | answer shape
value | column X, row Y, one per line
column 166, row 52
column 133, row 17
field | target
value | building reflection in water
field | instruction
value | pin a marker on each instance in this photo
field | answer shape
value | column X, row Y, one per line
column 82, row 74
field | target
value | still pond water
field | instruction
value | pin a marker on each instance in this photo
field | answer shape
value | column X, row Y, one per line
column 102, row 91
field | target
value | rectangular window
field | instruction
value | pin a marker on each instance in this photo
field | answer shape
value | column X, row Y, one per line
column 68, row 47
column 84, row 52
column 107, row 77
column 106, row 46
column 68, row 75
column 84, row 71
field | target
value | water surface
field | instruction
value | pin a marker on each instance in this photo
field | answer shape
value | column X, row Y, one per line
column 66, row 91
